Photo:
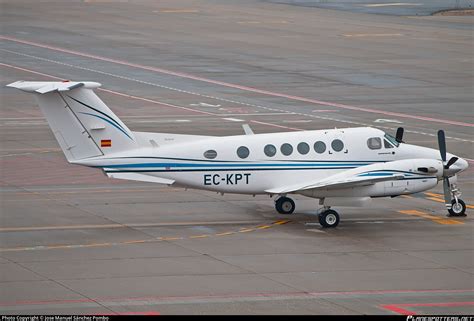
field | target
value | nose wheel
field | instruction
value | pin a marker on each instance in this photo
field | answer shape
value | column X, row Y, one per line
column 458, row 208
column 328, row 218
column 285, row 205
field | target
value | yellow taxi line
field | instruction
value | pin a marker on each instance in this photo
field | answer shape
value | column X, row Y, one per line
column 157, row 239
column 436, row 219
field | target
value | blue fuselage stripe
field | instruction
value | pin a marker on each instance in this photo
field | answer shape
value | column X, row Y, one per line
column 244, row 166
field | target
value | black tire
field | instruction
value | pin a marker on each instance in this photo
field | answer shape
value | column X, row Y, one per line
column 285, row 205
column 457, row 209
column 329, row 218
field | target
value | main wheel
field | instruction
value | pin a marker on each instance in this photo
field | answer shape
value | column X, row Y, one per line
column 329, row 218
column 458, row 208
column 285, row 205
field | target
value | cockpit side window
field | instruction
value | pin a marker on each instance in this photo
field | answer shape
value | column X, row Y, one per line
column 391, row 139
column 387, row 144
column 374, row 143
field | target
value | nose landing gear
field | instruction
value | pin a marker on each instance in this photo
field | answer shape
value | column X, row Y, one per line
column 458, row 207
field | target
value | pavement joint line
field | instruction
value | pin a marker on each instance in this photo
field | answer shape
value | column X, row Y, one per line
column 230, row 85
column 212, row 97
column 155, row 239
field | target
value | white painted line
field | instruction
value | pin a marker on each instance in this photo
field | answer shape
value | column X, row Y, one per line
column 373, row 35
column 206, row 96
column 10, row 155
column 316, row 231
column 387, row 121
column 205, row 105
column 221, row 83
column 182, row 121
column 234, row 119
column 298, row 121
column 393, row 4
column 258, row 114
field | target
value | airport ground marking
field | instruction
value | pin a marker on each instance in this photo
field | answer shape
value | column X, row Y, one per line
column 392, row 4
column 439, row 198
column 436, row 219
column 166, row 104
column 211, row 97
column 231, row 85
column 400, row 308
column 150, row 240
column 372, row 35
column 153, row 300
column 207, row 96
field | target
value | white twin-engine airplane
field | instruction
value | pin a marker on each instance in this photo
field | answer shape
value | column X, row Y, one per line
column 330, row 165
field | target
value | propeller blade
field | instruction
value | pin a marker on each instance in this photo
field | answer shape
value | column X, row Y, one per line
column 442, row 144
column 451, row 161
column 447, row 192
column 399, row 135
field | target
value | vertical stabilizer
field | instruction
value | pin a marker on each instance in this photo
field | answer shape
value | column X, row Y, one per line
column 82, row 124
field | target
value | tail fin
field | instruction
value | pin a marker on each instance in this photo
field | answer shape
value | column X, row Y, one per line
column 82, row 124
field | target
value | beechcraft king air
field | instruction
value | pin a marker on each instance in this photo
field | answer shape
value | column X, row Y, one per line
column 328, row 165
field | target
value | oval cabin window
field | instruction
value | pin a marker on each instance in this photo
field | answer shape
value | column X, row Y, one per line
column 210, row 154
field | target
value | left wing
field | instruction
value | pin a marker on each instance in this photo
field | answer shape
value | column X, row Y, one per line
column 351, row 181
column 368, row 175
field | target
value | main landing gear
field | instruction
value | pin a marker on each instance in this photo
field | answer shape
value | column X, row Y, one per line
column 458, row 207
column 327, row 217
column 284, row 205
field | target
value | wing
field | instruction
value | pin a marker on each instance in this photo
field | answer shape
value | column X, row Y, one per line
column 340, row 181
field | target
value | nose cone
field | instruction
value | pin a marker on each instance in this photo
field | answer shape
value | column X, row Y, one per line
column 460, row 165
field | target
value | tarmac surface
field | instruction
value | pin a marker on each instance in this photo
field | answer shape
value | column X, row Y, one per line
column 74, row 241
column 384, row 7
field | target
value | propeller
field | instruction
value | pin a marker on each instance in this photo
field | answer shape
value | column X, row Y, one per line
column 446, row 165
column 399, row 135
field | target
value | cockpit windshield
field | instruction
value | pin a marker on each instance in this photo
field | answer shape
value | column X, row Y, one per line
column 391, row 139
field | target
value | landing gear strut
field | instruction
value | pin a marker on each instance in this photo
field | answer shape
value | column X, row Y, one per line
column 458, row 207
column 284, row 205
column 328, row 218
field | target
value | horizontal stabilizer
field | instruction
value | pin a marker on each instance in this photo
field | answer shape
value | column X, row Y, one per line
column 43, row 87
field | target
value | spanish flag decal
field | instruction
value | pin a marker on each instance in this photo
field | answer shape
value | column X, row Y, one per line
column 106, row 143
